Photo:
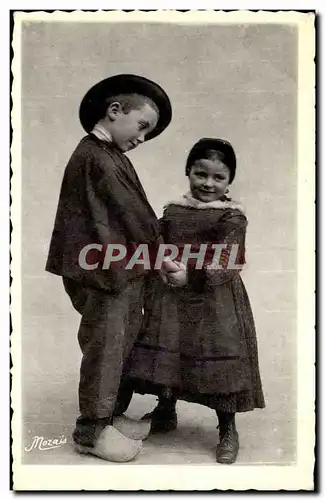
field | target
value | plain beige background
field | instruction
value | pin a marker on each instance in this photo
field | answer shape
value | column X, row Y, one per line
column 238, row 82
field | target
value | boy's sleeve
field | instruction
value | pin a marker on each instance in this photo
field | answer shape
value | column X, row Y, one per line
column 163, row 227
column 105, row 198
column 103, row 186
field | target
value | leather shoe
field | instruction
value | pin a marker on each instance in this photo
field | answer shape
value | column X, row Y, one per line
column 162, row 420
column 227, row 449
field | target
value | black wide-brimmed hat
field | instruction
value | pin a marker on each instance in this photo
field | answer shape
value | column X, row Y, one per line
column 200, row 148
column 92, row 104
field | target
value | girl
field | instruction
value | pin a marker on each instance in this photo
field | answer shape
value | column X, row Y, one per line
column 199, row 342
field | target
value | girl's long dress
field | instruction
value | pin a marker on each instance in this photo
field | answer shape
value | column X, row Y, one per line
column 200, row 340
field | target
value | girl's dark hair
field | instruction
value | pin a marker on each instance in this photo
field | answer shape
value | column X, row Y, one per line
column 210, row 149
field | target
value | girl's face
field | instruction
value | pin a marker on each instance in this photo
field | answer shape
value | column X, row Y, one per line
column 209, row 179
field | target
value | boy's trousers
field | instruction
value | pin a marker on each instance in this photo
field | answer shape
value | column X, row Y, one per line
column 109, row 326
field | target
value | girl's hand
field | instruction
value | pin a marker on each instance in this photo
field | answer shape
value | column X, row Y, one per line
column 170, row 266
column 178, row 278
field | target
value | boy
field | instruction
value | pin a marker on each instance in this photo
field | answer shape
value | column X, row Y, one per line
column 103, row 202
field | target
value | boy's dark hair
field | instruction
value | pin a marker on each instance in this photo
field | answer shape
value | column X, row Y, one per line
column 128, row 102
column 211, row 149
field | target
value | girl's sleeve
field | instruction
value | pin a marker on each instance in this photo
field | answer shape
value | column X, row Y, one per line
column 233, row 233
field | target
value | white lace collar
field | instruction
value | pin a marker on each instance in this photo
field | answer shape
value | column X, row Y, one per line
column 187, row 200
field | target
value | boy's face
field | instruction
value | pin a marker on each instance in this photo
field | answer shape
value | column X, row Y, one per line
column 209, row 179
column 129, row 130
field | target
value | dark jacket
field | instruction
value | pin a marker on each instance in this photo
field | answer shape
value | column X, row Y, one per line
column 102, row 201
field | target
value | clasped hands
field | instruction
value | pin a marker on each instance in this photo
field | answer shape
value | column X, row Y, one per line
column 174, row 273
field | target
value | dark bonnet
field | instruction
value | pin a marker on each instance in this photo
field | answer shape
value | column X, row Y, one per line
column 199, row 150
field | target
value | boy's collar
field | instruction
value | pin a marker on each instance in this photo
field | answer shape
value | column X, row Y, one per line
column 101, row 133
column 187, row 200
